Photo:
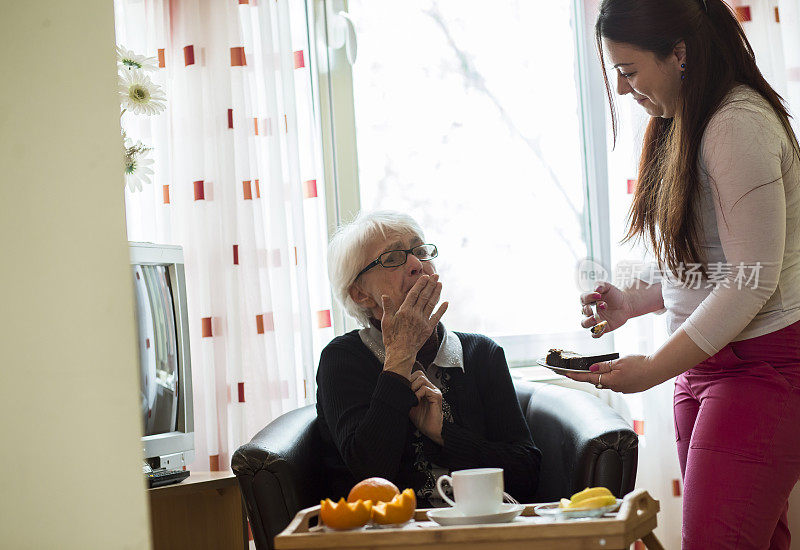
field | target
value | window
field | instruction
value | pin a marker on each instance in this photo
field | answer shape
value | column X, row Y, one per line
column 473, row 120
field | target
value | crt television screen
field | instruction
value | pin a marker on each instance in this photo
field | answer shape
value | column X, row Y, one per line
column 158, row 348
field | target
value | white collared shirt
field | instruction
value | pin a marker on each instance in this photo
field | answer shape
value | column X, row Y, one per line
column 450, row 354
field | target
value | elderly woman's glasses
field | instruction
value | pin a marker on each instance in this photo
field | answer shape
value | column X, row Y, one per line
column 396, row 258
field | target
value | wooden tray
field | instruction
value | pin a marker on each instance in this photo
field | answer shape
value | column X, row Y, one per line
column 635, row 520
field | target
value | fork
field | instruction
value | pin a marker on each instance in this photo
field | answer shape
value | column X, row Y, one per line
column 509, row 498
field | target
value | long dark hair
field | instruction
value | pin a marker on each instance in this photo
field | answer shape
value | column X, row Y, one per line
column 718, row 57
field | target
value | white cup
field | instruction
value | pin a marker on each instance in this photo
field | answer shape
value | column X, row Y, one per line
column 477, row 492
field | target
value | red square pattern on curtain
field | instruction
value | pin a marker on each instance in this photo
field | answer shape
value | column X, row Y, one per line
column 310, row 189
column 199, row 190
column 207, row 331
column 324, row 318
column 743, row 14
column 237, row 57
column 188, row 55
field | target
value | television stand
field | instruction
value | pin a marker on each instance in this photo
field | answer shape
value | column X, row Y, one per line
column 203, row 511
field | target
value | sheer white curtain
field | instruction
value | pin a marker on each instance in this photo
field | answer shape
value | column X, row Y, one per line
column 773, row 29
column 235, row 184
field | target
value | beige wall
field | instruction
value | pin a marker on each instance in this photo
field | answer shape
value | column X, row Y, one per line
column 69, row 436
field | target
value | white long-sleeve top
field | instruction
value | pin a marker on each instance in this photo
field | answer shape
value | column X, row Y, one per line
column 750, row 213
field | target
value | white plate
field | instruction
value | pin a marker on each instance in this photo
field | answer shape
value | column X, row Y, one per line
column 559, row 370
column 552, row 509
column 449, row 516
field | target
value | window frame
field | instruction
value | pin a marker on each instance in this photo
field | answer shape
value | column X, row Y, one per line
column 334, row 82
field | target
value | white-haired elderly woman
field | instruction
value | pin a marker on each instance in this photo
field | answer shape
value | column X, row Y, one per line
column 403, row 398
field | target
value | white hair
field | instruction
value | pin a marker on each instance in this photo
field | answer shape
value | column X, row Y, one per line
column 349, row 246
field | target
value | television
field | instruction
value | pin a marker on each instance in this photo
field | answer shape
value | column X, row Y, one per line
column 165, row 370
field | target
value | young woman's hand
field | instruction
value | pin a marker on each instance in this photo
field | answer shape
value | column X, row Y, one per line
column 407, row 327
column 628, row 374
column 427, row 415
column 612, row 307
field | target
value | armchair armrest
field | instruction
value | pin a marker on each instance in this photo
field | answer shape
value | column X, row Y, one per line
column 584, row 442
column 280, row 472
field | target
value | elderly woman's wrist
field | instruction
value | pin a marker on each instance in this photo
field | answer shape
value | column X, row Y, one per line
column 438, row 437
column 400, row 363
column 400, row 354
column 434, row 434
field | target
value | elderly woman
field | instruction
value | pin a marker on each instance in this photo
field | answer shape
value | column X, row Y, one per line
column 403, row 398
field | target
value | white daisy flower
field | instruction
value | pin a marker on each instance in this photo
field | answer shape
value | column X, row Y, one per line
column 137, row 167
column 139, row 94
column 129, row 60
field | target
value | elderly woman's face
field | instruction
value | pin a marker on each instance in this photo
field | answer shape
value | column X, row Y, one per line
column 394, row 282
column 654, row 83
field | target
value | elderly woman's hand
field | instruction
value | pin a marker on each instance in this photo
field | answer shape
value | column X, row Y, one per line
column 427, row 415
column 407, row 327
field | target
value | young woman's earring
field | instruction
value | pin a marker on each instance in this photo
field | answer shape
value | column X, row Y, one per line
column 683, row 68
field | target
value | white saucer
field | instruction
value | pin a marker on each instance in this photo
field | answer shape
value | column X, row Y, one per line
column 450, row 516
column 552, row 509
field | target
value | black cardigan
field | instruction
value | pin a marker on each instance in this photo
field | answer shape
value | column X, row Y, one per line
column 364, row 421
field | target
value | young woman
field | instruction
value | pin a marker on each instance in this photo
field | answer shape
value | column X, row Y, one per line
column 718, row 199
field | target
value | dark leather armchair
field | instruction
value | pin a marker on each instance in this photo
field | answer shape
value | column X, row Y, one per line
column 584, row 443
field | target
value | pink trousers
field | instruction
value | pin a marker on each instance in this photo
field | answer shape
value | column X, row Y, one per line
column 737, row 424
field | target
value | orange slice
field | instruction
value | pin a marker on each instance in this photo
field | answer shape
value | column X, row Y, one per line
column 399, row 510
column 345, row 515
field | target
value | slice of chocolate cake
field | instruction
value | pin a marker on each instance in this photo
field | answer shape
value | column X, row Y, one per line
column 575, row 361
